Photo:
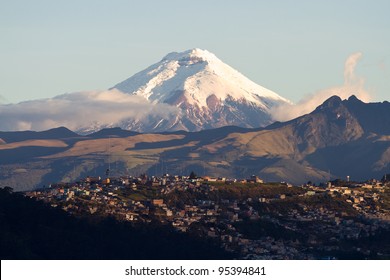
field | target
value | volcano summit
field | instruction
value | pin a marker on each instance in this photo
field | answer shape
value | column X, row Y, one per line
column 208, row 92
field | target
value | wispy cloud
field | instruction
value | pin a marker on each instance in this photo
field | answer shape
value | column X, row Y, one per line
column 352, row 85
column 80, row 110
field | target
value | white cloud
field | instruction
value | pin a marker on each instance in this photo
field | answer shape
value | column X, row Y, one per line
column 3, row 100
column 353, row 85
column 79, row 110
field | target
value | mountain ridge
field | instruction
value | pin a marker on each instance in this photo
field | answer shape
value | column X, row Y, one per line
column 337, row 139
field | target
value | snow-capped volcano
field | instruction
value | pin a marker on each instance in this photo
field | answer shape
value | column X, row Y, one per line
column 208, row 92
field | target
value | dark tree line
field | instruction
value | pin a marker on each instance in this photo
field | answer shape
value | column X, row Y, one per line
column 30, row 229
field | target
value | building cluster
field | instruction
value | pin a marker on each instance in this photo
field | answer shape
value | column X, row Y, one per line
column 365, row 197
column 308, row 229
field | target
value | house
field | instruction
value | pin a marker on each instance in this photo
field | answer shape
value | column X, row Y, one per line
column 209, row 179
column 255, row 179
column 93, row 180
column 158, row 202
column 310, row 193
column 347, row 191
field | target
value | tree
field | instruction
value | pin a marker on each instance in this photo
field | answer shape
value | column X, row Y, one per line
column 8, row 189
column 193, row 175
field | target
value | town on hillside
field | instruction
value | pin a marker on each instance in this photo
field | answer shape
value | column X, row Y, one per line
column 340, row 219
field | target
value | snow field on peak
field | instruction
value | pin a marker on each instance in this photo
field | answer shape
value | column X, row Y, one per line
column 197, row 74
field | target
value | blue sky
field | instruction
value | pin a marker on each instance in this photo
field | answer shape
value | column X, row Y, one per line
column 294, row 48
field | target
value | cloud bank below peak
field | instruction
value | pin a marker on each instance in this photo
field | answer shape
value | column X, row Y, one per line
column 80, row 111
column 353, row 85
